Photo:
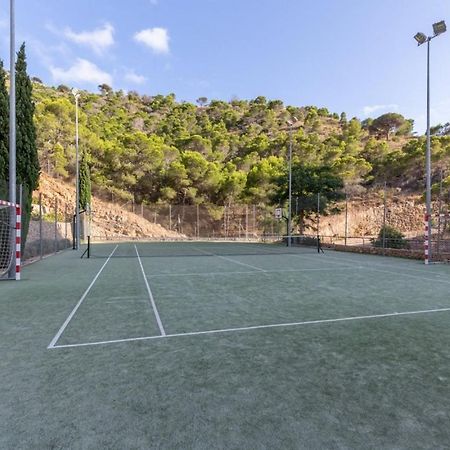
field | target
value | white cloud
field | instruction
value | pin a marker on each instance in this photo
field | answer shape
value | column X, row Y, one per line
column 155, row 38
column 82, row 71
column 368, row 110
column 135, row 78
column 98, row 40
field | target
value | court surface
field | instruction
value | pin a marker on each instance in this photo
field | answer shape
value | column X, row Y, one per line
column 225, row 345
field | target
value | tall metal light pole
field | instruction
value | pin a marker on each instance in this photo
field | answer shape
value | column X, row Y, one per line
column 421, row 38
column 76, row 94
column 12, row 125
column 289, row 186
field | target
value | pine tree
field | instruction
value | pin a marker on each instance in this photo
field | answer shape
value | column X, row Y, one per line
column 85, row 183
column 26, row 150
column 4, row 133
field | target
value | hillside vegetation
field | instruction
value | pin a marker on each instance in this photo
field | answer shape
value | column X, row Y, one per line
column 155, row 149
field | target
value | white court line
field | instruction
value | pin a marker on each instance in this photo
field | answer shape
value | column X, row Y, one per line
column 74, row 310
column 354, row 263
column 257, row 327
column 150, row 296
column 229, row 259
column 207, row 274
column 360, row 263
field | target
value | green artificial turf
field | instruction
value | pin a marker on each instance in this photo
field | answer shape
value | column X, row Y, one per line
column 369, row 383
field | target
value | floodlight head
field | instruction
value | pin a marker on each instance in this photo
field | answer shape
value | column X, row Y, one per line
column 295, row 118
column 289, row 122
column 439, row 27
column 75, row 92
column 420, row 38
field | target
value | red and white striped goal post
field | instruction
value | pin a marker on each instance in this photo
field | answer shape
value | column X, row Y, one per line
column 426, row 242
column 18, row 234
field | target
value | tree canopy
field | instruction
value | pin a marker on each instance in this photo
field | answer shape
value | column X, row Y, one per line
column 157, row 149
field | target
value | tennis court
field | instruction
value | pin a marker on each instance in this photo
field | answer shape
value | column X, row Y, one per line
column 225, row 345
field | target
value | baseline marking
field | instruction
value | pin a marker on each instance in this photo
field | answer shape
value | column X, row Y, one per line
column 229, row 259
column 257, row 327
column 150, row 296
column 74, row 310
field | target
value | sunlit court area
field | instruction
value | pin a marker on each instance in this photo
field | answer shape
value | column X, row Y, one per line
column 224, row 225
column 193, row 344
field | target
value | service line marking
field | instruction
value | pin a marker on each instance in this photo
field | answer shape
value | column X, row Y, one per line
column 74, row 310
column 367, row 265
column 229, row 259
column 150, row 296
column 257, row 327
column 250, row 272
column 374, row 267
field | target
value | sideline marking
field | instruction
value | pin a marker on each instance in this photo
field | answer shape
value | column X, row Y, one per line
column 74, row 310
column 150, row 296
column 229, row 259
column 256, row 327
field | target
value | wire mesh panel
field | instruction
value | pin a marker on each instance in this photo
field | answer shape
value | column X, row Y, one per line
column 6, row 240
column 10, row 240
column 50, row 228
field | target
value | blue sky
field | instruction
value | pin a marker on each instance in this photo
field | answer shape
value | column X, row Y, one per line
column 347, row 55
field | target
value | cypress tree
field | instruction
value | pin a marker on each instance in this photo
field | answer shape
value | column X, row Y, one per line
column 85, row 183
column 4, row 133
column 27, row 156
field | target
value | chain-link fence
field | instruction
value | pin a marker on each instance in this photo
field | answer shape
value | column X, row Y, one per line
column 50, row 228
column 386, row 221
column 246, row 222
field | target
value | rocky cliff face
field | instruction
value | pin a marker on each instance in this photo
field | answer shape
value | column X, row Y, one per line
column 109, row 220
column 365, row 217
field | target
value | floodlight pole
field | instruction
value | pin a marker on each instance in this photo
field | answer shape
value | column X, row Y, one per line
column 77, row 171
column 421, row 38
column 428, row 157
column 12, row 125
column 290, row 187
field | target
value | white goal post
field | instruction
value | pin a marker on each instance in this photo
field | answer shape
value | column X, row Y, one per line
column 10, row 241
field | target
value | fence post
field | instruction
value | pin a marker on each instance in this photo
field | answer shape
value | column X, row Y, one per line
column 198, row 221
column 65, row 221
column 225, row 220
column 170, row 217
column 246, row 222
column 384, row 218
column 56, row 225
column 40, row 226
column 346, row 220
column 254, row 219
column 438, row 243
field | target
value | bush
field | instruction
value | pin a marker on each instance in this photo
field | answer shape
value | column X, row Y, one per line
column 393, row 238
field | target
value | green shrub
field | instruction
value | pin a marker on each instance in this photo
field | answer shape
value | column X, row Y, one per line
column 393, row 238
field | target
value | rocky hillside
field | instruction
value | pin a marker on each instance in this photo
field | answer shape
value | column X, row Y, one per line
column 366, row 215
column 109, row 220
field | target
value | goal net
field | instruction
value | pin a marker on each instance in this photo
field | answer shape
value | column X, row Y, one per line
column 9, row 241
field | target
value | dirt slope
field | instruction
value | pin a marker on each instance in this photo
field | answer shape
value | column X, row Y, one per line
column 109, row 220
